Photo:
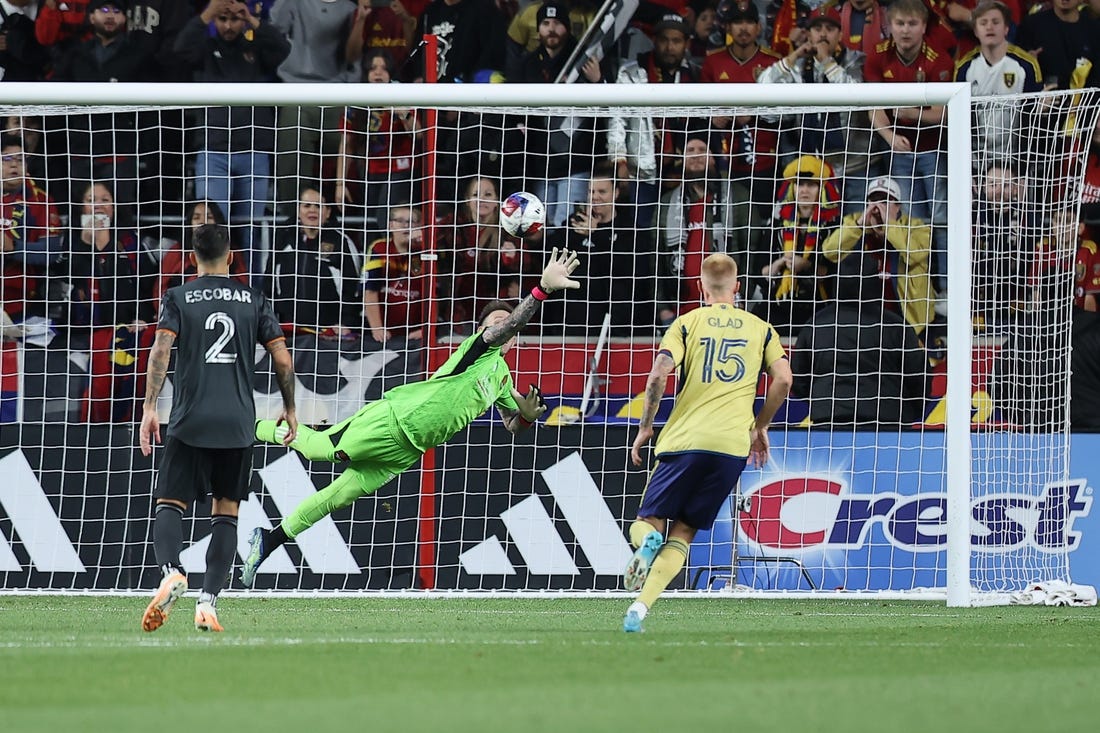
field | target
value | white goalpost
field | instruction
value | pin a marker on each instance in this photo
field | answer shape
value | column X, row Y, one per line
column 970, row 501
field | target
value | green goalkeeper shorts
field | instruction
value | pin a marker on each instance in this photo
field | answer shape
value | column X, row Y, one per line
column 375, row 445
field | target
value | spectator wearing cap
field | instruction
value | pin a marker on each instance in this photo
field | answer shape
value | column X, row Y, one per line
column 693, row 221
column 104, row 146
column 752, row 141
column 858, row 363
column 806, row 213
column 900, row 246
column 820, row 58
column 842, row 138
column 997, row 68
column 523, row 30
column 556, row 152
column 638, row 145
column 111, row 54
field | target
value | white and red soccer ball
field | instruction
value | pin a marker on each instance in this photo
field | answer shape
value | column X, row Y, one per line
column 522, row 214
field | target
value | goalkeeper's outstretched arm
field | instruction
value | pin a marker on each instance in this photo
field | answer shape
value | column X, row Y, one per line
column 531, row 407
column 555, row 277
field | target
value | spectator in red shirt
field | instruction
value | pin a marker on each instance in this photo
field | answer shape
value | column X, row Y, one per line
column 395, row 280
column 750, row 147
column 60, row 25
column 30, row 225
column 178, row 267
column 374, row 166
column 915, row 135
column 387, row 28
column 1053, row 257
column 486, row 264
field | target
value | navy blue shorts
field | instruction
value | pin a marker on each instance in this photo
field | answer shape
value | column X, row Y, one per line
column 690, row 487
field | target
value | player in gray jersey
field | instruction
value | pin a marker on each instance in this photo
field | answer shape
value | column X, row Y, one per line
column 215, row 322
column 388, row 436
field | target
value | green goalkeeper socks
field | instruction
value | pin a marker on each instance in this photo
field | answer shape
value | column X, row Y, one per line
column 341, row 492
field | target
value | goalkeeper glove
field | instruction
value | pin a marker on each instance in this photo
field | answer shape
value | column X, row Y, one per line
column 531, row 406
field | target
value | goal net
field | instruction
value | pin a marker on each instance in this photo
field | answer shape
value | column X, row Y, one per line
column 923, row 451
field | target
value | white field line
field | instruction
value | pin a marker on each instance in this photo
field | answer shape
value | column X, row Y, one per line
column 232, row 641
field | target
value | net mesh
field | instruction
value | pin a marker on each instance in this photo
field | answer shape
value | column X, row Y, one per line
column 376, row 233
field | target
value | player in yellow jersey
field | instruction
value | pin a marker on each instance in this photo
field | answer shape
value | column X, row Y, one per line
column 718, row 352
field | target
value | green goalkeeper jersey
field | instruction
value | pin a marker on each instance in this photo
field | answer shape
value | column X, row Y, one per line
column 473, row 379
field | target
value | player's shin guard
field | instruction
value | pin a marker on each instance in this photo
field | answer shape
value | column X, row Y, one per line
column 638, row 531
column 667, row 565
column 220, row 553
column 340, row 493
column 168, row 535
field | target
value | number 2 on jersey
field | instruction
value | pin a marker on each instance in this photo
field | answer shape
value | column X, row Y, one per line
column 722, row 352
column 216, row 354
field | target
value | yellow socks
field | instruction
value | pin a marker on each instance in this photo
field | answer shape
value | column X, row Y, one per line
column 666, row 566
column 638, row 530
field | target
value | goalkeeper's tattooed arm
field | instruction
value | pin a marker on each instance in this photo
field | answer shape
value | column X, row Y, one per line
column 555, row 277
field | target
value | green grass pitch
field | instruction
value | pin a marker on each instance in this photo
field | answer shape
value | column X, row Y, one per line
column 562, row 665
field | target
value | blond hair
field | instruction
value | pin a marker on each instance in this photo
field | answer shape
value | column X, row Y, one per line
column 719, row 273
column 907, row 7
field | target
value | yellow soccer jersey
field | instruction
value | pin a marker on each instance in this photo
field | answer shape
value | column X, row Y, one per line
column 719, row 352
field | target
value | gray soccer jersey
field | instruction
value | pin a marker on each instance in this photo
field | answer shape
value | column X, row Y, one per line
column 217, row 322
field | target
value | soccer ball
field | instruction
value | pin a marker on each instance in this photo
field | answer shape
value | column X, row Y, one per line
column 522, row 214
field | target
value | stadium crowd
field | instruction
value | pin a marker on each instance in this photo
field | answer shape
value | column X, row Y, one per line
column 328, row 207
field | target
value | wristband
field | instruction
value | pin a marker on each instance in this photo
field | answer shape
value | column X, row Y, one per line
column 525, row 421
column 539, row 294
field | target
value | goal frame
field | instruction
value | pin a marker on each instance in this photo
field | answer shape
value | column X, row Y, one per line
column 955, row 97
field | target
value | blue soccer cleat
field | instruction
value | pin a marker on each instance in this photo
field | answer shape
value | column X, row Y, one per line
column 632, row 623
column 637, row 570
column 255, row 557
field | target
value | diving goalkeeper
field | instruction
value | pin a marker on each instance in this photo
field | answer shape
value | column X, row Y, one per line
column 389, row 435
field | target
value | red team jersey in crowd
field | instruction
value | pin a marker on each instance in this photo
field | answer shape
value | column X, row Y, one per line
column 1086, row 273
column 930, row 65
column 386, row 142
column 750, row 147
column 384, row 30
column 401, row 283
column 40, row 218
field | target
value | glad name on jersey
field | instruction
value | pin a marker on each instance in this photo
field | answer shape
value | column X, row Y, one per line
column 726, row 322
column 198, row 296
